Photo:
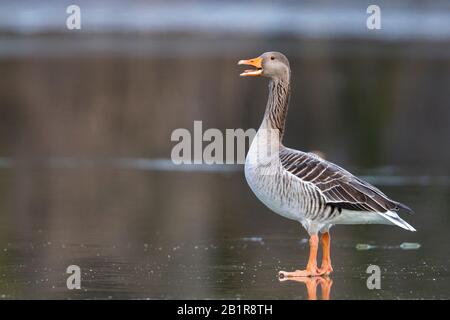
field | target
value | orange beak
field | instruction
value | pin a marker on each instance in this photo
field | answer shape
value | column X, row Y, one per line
column 256, row 62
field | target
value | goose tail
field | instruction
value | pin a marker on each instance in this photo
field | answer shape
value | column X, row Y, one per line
column 396, row 220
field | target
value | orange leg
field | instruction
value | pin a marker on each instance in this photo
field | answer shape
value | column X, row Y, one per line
column 326, row 284
column 311, row 286
column 311, row 268
column 326, row 268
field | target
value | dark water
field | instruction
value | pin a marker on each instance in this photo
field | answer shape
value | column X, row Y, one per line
column 156, row 234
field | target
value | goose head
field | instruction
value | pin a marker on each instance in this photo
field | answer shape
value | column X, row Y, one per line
column 273, row 65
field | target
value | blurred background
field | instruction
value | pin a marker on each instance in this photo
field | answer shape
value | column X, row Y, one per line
column 86, row 118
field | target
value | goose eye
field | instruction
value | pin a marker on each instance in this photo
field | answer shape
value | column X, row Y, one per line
column 272, row 58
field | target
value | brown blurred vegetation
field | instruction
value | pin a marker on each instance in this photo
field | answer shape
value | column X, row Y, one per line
column 363, row 103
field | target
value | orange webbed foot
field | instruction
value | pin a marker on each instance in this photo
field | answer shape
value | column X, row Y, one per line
column 312, row 272
column 326, row 269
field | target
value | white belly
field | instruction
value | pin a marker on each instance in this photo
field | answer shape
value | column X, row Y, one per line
column 272, row 200
column 265, row 175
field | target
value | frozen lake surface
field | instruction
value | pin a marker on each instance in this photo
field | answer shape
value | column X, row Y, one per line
column 148, row 234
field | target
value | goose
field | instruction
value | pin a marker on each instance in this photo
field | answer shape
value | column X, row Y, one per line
column 303, row 186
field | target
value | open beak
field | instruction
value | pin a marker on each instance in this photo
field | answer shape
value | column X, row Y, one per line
column 256, row 62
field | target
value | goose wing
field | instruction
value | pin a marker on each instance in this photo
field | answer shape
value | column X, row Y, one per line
column 339, row 187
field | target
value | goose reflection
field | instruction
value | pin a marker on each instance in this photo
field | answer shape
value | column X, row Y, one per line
column 311, row 286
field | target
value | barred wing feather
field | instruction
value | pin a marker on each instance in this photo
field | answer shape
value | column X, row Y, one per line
column 339, row 187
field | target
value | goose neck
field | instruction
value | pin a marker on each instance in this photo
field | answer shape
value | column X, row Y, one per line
column 277, row 106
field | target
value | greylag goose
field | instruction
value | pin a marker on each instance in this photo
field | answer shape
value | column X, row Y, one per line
column 302, row 186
